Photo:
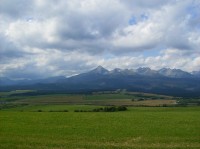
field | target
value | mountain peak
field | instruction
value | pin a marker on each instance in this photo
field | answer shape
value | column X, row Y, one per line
column 144, row 70
column 116, row 70
column 100, row 67
column 174, row 73
column 100, row 70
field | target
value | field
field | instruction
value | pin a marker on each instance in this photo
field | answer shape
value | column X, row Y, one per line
column 102, row 99
column 139, row 127
column 49, row 121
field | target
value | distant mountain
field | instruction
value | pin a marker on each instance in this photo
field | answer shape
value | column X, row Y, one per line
column 6, row 81
column 164, row 81
column 49, row 80
column 146, row 71
column 196, row 74
column 99, row 70
column 9, row 82
column 116, row 71
column 174, row 73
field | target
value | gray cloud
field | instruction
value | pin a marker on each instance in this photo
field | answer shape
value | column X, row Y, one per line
column 9, row 50
column 16, row 8
column 48, row 38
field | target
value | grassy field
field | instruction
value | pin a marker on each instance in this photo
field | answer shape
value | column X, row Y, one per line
column 50, row 121
column 128, row 99
column 137, row 128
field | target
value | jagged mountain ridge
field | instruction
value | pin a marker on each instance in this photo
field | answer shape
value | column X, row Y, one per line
column 141, row 71
column 146, row 71
column 164, row 81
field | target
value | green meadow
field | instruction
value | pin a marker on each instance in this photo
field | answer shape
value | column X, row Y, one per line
column 137, row 128
column 50, row 122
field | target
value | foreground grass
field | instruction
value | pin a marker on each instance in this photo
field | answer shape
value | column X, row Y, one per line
column 170, row 128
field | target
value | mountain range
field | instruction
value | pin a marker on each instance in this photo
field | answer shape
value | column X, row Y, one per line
column 167, row 81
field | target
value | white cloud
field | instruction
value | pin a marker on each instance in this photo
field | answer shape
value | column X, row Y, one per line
column 31, row 33
column 48, row 38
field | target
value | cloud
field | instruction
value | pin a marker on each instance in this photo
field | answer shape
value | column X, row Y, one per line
column 167, row 26
column 16, row 8
column 9, row 50
column 66, row 37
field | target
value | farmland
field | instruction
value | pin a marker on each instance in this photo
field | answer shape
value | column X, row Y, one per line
column 102, row 99
column 49, row 121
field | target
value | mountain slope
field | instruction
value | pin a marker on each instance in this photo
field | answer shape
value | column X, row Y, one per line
column 174, row 73
column 165, row 81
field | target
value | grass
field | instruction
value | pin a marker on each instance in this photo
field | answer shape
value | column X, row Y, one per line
column 23, row 126
column 125, row 95
column 139, row 127
column 16, row 92
column 117, row 99
column 107, row 96
column 50, row 107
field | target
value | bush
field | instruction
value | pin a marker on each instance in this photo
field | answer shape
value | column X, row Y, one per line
column 122, row 108
column 105, row 109
column 110, row 109
column 39, row 110
column 58, row 111
column 98, row 110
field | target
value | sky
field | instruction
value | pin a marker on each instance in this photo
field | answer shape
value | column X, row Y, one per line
column 45, row 38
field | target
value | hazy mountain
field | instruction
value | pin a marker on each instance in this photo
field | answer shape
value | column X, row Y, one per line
column 196, row 74
column 116, row 70
column 164, row 81
column 146, row 71
column 174, row 73
column 99, row 70
column 7, row 81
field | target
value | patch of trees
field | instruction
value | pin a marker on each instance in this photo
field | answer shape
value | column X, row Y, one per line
column 54, row 111
column 105, row 109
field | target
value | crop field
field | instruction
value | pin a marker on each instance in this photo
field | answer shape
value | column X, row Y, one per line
column 102, row 99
